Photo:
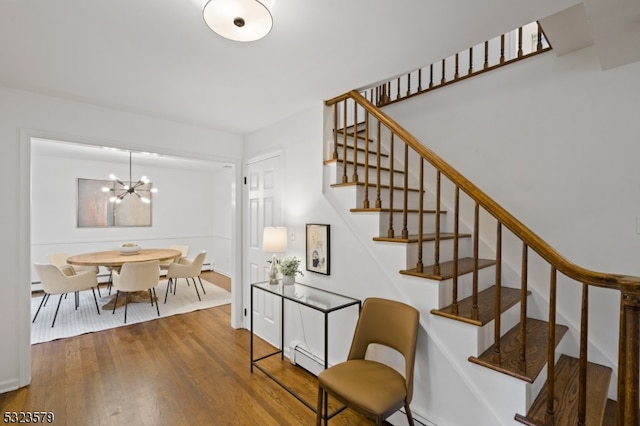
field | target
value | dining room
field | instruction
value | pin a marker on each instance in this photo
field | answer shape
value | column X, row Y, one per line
column 191, row 207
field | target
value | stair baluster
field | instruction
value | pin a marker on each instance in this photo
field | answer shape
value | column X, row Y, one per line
column 405, row 208
column 497, row 354
column 476, row 257
column 436, row 247
column 551, row 374
column 420, row 265
column 524, row 291
column 379, row 170
column 390, row 232
column 456, row 249
column 354, row 177
column 365, row 202
column 584, row 341
column 431, row 76
column 486, row 56
column 345, row 179
column 629, row 358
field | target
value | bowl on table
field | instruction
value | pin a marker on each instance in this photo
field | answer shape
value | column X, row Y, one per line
column 129, row 248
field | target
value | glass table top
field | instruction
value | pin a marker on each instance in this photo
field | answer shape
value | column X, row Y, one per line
column 321, row 300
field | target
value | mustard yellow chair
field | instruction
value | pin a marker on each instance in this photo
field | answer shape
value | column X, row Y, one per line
column 56, row 281
column 369, row 387
column 137, row 276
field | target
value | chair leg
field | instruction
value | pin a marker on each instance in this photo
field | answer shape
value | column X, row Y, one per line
column 196, row 287
column 96, row 299
column 203, row 292
column 126, row 305
column 156, row 297
column 319, row 407
column 168, row 287
column 57, row 309
column 409, row 415
column 77, row 299
column 115, row 302
column 42, row 302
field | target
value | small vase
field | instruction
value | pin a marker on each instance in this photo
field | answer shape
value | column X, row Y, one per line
column 288, row 279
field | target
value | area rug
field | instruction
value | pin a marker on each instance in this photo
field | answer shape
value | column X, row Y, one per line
column 71, row 322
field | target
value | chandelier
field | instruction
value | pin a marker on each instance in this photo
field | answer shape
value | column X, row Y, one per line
column 129, row 187
column 238, row 20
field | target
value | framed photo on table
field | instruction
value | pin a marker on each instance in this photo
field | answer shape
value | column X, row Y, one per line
column 318, row 243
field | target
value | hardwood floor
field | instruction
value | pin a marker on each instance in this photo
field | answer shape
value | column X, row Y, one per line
column 185, row 369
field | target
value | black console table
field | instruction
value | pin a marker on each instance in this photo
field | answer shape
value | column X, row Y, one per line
column 311, row 297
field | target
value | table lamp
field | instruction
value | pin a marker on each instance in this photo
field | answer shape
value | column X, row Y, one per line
column 274, row 240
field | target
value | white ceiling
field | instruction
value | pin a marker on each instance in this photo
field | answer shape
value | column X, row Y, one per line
column 47, row 148
column 157, row 57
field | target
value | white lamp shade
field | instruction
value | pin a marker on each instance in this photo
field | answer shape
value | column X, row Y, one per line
column 274, row 239
column 238, row 20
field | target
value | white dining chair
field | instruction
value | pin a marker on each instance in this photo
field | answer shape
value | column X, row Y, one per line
column 60, row 260
column 55, row 281
column 186, row 268
column 164, row 264
column 136, row 276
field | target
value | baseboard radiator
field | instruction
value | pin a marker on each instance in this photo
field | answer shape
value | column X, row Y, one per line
column 299, row 355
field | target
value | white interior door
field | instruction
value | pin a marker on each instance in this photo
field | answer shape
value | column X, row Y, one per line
column 264, row 207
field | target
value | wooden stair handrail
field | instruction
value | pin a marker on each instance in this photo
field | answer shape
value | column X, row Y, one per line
column 627, row 284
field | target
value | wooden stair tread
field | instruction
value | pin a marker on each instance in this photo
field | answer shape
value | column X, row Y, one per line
column 536, row 350
column 373, row 185
column 486, row 306
column 566, row 395
column 445, row 271
column 425, row 237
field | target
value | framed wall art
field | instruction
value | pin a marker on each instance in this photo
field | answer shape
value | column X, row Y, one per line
column 318, row 244
column 95, row 210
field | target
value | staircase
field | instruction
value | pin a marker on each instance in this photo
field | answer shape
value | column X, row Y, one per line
column 446, row 242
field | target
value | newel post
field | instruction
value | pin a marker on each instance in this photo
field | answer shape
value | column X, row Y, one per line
column 629, row 360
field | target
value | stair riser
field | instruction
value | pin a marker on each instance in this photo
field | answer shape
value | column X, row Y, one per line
column 486, row 334
column 384, row 160
column 429, row 249
column 373, row 175
column 413, row 198
column 428, row 224
column 486, row 278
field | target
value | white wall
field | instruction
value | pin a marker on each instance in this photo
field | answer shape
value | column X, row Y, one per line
column 223, row 190
column 24, row 115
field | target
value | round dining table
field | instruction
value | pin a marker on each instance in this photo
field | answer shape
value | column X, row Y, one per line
column 114, row 258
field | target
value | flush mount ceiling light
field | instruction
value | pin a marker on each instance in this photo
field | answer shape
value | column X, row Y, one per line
column 238, row 20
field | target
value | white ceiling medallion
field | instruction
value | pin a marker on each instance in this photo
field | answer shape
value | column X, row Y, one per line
column 238, row 20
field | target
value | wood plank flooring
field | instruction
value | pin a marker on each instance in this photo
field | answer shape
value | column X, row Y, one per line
column 181, row 370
